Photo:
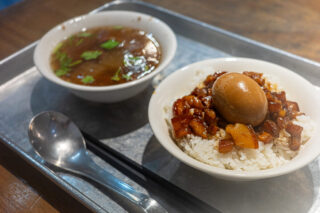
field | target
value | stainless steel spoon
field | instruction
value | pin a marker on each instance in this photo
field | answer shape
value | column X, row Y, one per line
column 59, row 142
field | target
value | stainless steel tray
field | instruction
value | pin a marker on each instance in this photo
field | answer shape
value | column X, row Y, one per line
column 124, row 126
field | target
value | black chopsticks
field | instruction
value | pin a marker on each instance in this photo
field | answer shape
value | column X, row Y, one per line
column 169, row 195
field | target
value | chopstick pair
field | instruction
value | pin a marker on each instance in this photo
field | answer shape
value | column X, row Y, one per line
column 173, row 198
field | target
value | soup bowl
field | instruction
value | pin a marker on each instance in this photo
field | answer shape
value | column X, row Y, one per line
column 113, row 93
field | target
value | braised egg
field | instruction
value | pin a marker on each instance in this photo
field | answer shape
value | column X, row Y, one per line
column 239, row 99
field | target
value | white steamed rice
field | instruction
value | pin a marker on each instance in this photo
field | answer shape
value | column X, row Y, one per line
column 265, row 157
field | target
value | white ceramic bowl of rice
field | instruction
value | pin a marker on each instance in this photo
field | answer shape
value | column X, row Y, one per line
column 269, row 160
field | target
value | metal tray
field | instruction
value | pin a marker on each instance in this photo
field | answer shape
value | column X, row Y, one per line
column 124, row 126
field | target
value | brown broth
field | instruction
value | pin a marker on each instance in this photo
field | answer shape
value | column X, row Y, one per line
column 121, row 54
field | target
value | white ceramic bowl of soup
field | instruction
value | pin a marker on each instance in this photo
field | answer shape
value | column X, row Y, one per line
column 184, row 80
column 113, row 93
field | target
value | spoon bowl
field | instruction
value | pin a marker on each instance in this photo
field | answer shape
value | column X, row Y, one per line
column 61, row 145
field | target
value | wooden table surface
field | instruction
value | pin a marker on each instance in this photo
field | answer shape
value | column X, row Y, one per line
column 293, row 26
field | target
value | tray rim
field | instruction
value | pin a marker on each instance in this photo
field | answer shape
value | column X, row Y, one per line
column 60, row 182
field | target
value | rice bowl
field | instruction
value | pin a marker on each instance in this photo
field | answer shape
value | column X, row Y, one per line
column 191, row 75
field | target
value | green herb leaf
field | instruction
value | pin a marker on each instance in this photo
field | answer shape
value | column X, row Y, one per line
column 75, row 63
column 84, row 34
column 146, row 67
column 65, row 60
column 79, row 42
column 88, row 55
column 88, row 79
column 70, row 39
column 116, row 77
column 109, row 44
column 58, row 47
column 65, row 63
column 135, row 58
column 59, row 55
column 62, row 71
column 127, row 77
column 117, row 27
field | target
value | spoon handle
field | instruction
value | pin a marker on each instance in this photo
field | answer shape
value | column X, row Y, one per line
column 99, row 175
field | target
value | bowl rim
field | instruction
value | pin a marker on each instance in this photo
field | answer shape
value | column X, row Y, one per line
column 163, row 63
column 212, row 170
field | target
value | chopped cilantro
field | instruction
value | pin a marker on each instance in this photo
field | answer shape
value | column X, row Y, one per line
column 127, row 77
column 110, row 44
column 62, row 71
column 84, row 34
column 70, row 39
column 88, row 79
column 75, row 63
column 79, row 42
column 65, row 63
column 58, row 55
column 58, row 47
column 117, row 27
column 116, row 77
column 64, row 60
column 88, row 55
column 135, row 58
column 61, row 57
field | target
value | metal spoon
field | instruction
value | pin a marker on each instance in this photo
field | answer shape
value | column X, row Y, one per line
column 59, row 142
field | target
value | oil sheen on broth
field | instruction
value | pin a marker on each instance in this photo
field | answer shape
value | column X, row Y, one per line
column 106, row 56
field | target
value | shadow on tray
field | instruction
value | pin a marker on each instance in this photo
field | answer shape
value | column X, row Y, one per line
column 288, row 193
column 99, row 119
